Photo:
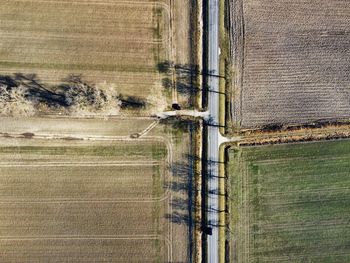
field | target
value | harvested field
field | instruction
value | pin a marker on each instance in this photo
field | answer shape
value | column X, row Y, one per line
column 290, row 203
column 291, row 61
column 120, row 42
column 83, row 201
column 64, row 182
column 113, row 250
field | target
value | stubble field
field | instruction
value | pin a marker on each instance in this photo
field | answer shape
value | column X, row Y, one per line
column 120, row 42
column 74, row 201
column 290, row 203
column 290, row 62
column 80, row 188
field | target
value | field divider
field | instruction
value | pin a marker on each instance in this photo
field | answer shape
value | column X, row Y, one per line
column 80, row 237
column 150, row 163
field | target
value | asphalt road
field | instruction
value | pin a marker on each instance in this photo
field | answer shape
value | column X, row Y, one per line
column 213, row 132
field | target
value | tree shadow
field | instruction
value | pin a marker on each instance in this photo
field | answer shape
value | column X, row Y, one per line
column 182, row 194
column 64, row 94
column 132, row 102
column 185, row 78
column 36, row 91
column 179, row 125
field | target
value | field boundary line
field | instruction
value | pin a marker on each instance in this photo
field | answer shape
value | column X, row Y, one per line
column 151, row 237
column 55, row 201
column 77, row 164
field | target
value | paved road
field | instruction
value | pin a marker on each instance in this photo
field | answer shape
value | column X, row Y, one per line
column 213, row 132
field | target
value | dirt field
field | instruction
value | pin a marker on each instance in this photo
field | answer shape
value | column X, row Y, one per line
column 290, row 202
column 290, row 61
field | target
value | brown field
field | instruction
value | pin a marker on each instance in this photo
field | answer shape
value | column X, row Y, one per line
column 84, row 189
column 113, row 249
column 67, row 198
column 120, row 42
column 68, row 185
column 32, row 181
column 290, row 61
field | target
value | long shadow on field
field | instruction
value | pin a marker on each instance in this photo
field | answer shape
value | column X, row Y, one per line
column 183, row 77
column 182, row 203
column 73, row 91
column 31, row 88
column 132, row 102
column 182, row 185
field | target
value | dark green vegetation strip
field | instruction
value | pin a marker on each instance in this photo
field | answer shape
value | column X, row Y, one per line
column 291, row 203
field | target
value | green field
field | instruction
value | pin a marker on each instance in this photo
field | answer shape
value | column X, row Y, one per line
column 290, row 203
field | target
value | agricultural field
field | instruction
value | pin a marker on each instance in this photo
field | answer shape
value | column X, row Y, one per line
column 87, row 172
column 114, row 41
column 113, row 45
column 74, row 201
column 77, row 189
column 290, row 203
column 290, row 62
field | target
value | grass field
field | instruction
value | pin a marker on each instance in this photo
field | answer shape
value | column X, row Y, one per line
column 120, row 42
column 290, row 61
column 290, row 203
column 79, row 201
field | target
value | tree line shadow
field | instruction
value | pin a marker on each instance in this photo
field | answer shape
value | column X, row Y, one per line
column 182, row 207
column 62, row 94
column 183, row 183
column 186, row 78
